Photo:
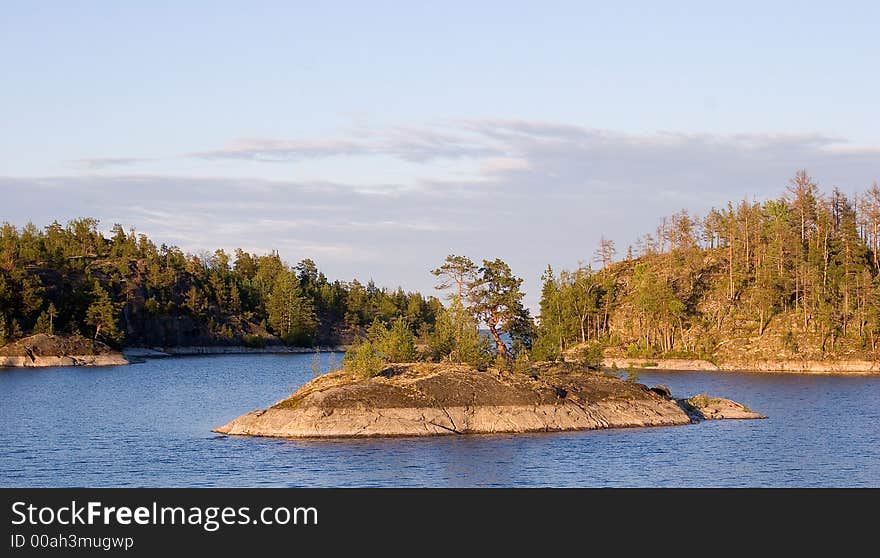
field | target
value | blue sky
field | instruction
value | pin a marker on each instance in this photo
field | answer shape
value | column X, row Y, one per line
column 376, row 137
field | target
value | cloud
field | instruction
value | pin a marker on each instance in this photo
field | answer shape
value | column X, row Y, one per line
column 570, row 160
column 414, row 145
column 531, row 192
column 97, row 163
column 272, row 150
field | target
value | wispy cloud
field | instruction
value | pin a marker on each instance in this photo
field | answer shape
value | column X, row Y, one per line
column 98, row 163
column 415, row 145
column 532, row 192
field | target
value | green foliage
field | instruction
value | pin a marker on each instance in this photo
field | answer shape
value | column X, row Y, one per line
column 364, row 360
column 495, row 298
column 291, row 314
column 456, row 338
column 700, row 400
column 394, row 344
column 589, row 354
column 381, row 346
column 225, row 299
column 635, row 350
column 14, row 330
column 632, row 375
column 101, row 315
column 522, row 364
column 575, row 307
column 151, row 305
column 806, row 263
column 42, row 324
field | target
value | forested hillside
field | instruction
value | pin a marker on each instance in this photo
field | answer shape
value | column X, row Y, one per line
column 126, row 290
column 793, row 277
column 797, row 277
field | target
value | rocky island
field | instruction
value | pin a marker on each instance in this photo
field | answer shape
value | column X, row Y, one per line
column 42, row 350
column 425, row 399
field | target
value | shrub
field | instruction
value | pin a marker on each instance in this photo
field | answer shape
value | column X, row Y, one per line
column 397, row 344
column 381, row 346
column 522, row 364
column 151, row 305
column 636, row 350
column 364, row 360
column 699, row 401
column 456, row 338
column 589, row 355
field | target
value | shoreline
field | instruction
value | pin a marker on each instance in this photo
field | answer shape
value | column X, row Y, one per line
column 419, row 399
column 40, row 361
column 190, row 350
column 853, row 367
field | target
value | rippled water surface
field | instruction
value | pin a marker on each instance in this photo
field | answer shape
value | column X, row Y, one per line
column 150, row 424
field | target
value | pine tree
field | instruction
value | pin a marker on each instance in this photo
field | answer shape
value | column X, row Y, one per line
column 101, row 315
column 52, row 312
column 496, row 299
column 42, row 323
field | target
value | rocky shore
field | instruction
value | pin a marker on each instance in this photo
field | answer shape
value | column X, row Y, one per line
column 844, row 367
column 437, row 399
column 43, row 350
column 159, row 352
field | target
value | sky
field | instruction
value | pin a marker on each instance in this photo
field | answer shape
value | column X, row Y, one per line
column 378, row 137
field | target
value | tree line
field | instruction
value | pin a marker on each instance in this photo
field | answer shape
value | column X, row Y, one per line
column 801, row 271
column 71, row 279
column 487, row 296
column 794, row 275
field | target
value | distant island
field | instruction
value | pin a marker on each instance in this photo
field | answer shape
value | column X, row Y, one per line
column 791, row 283
column 42, row 350
column 439, row 399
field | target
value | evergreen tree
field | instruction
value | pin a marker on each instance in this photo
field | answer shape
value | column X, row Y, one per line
column 496, row 299
column 101, row 315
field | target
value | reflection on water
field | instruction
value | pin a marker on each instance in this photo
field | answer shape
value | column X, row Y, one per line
column 149, row 425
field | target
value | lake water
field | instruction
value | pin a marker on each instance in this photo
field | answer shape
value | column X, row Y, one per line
column 150, row 424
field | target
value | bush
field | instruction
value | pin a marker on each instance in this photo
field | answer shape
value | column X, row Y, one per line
column 151, row 305
column 637, row 350
column 589, row 355
column 546, row 349
column 522, row 364
column 699, row 401
column 364, row 360
column 397, row 344
column 456, row 338
column 381, row 347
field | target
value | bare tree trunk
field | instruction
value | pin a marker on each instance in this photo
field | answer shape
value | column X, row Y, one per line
column 499, row 343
